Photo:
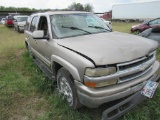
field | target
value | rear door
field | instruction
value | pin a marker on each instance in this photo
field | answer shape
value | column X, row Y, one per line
column 31, row 26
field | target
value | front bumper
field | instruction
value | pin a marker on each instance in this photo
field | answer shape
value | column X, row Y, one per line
column 122, row 107
column 9, row 25
column 21, row 28
column 94, row 97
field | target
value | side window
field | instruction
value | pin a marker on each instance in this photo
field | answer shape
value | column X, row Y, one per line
column 43, row 25
column 28, row 23
column 33, row 23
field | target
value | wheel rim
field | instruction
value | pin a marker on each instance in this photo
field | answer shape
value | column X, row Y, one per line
column 66, row 90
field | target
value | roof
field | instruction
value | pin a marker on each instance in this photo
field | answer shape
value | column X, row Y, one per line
column 20, row 16
column 60, row 12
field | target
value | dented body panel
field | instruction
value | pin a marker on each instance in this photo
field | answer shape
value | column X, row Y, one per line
column 133, row 57
column 110, row 48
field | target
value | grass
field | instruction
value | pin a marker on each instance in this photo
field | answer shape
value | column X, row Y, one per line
column 122, row 26
column 25, row 92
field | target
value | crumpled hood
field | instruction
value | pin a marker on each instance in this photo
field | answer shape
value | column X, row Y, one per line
column 110, row 48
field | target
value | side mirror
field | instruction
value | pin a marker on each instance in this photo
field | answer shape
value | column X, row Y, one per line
column 39, row 34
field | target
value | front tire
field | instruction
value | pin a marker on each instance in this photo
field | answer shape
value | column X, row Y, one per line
column 67, row 89
column 136, row 32
column 18, row 30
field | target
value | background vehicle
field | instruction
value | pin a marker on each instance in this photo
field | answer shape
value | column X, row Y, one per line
column 145, row 25
column 9, row 21
column 20, row 22
column 136, row 11
column 108, row 23
column 3, row 21
column 152, row 33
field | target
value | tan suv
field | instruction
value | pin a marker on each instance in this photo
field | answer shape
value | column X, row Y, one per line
column 90, row 64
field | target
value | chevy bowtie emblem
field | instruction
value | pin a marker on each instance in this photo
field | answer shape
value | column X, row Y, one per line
column 143, row 67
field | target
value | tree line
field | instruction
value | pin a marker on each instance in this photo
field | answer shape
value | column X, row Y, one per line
column 73, row 7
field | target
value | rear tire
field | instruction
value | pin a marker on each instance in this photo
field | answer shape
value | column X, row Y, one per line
column 67, row 89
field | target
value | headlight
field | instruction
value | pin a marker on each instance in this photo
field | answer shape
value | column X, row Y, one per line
column 97, row 72
column 134, row 26
column 106, row 83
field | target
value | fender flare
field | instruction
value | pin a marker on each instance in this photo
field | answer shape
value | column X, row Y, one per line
column 72, row 69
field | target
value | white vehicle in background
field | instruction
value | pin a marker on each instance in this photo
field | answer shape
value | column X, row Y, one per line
column 3, row 21
column 108, row 23
column 136, row 11
column 19, row 23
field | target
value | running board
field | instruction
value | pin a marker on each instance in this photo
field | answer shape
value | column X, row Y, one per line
column 43, row 68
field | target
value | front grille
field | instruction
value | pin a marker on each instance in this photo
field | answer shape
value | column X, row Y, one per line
column 136, row 64
column 124, row 67
column 134, row 75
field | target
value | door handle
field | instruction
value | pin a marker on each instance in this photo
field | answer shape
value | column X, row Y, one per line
column 27, row 38
column 35, row 41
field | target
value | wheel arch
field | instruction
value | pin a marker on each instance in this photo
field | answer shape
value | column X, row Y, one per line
column 58, row 62
column 26, row 44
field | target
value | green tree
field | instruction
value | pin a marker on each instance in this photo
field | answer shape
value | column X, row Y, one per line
column 88, row 7
column 79, row 7
column 2, row 8
column 76, row 7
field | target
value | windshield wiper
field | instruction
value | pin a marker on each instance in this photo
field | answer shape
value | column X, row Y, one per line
column 99, row 27
column 75, row 28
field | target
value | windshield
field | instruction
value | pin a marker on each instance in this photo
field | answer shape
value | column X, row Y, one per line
column 21, row 19
column 10, row 18
column 69, row 25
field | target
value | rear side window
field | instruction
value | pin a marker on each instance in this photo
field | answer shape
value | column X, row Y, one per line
column 33, row 23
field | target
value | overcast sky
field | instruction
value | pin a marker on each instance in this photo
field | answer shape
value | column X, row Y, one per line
column 99, row 5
